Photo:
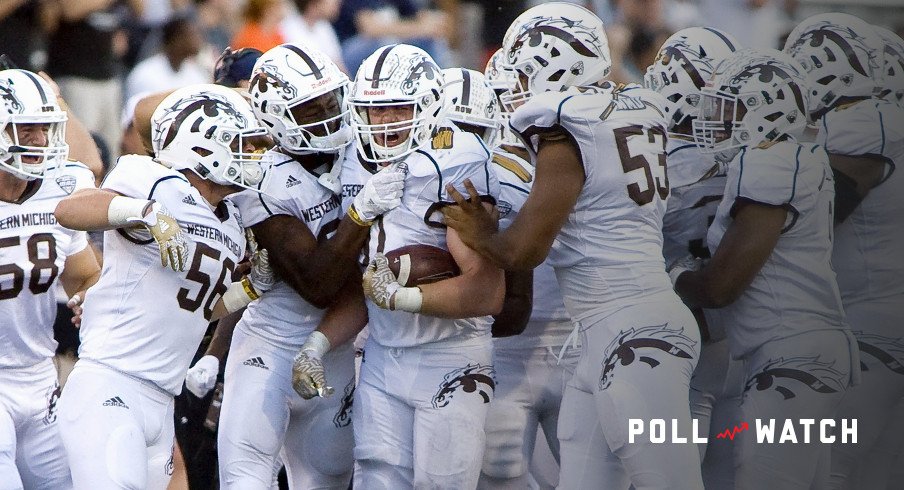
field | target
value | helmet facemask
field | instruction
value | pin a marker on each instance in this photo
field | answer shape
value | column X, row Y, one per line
column 321, row 124
column 389, row 141
column 23, row 156
column 720, row 128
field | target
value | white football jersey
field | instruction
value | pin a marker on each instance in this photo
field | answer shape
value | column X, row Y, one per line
column 515, row 179
column 452, row 157
column 281, row 315
column 608, row 254
column 355, row 173
column 795, row 291
column 144, row 319
column 33, row 252
column 869, row 242
column 692, row 205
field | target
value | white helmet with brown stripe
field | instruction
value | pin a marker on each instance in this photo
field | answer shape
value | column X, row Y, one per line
column 396, row 77
column 32, row 125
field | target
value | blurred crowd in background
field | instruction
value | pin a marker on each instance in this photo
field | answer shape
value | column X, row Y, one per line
column 112, row 50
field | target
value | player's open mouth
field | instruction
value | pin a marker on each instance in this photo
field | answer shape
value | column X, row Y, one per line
column 31, row 159
column 390, row 138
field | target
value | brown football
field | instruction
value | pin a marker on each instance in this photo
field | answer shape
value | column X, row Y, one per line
column 415, row 265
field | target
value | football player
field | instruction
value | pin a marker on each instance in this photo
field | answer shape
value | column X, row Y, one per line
column 37, row 253
column 533, row 325
column 683, row 65
column 141, row 322
column 427, row 377
column 770, row 281
column 595, row 208
column 299, row 94
column 864, row 138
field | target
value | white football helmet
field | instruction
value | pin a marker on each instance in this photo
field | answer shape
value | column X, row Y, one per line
column 205, row 128
column 502, row 81
column 892, row 80
column 396, row 76
column 472, row 104
column 26, row 99
column 554, row 46
column 685, row 62
column 755, row 96
column 287, row 77
column 841, row 54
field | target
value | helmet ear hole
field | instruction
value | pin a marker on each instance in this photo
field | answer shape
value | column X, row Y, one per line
column 203, row 152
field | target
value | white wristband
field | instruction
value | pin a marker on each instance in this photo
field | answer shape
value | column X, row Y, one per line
column 316, row 345
column 408, row 299
column 235, row 298
column 123, row 209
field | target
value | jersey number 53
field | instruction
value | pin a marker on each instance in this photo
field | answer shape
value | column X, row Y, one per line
column 642, row 153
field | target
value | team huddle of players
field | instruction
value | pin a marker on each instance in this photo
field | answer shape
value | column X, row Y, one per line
column 718, row 244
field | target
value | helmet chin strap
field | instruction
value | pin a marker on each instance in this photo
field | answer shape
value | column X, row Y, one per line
column 330, row 179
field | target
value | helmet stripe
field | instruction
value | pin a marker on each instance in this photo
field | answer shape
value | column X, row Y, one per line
column 307, row 59
column 375, row 82
column 727, row 41
column 37, row 85
column 465, row 88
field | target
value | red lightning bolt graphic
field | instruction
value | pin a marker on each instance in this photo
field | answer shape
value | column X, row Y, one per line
column 731, row 433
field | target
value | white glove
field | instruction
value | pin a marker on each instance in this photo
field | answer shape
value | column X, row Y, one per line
column 382, row 193
column 308, row 377
column 383, row 288
column 680, row 266
column 262, row 277
column 169, row 237
column 202, row 377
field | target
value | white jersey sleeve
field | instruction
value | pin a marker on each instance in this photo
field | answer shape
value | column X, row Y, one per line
column 289, row 189
column 608, row 253
column 33, row 253
column 144, row 319
column 795, row 291
column 453, row 157
column 868, row 243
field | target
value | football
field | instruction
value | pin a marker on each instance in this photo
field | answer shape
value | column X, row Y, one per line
column 415, row 265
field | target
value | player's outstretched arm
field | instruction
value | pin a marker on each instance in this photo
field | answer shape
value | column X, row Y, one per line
column 525, row 244
column 517, row 306
column 854, row 177
column 745, row 247
column 101, row 209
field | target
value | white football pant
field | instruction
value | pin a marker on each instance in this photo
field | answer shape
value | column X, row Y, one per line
column 117, row 430
column 800, row 377
column 31, row 451
column 529, row 387
column 877, row 326
column 262, row 418
column 716, row 389
column 419, row 415
column 635, row 363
